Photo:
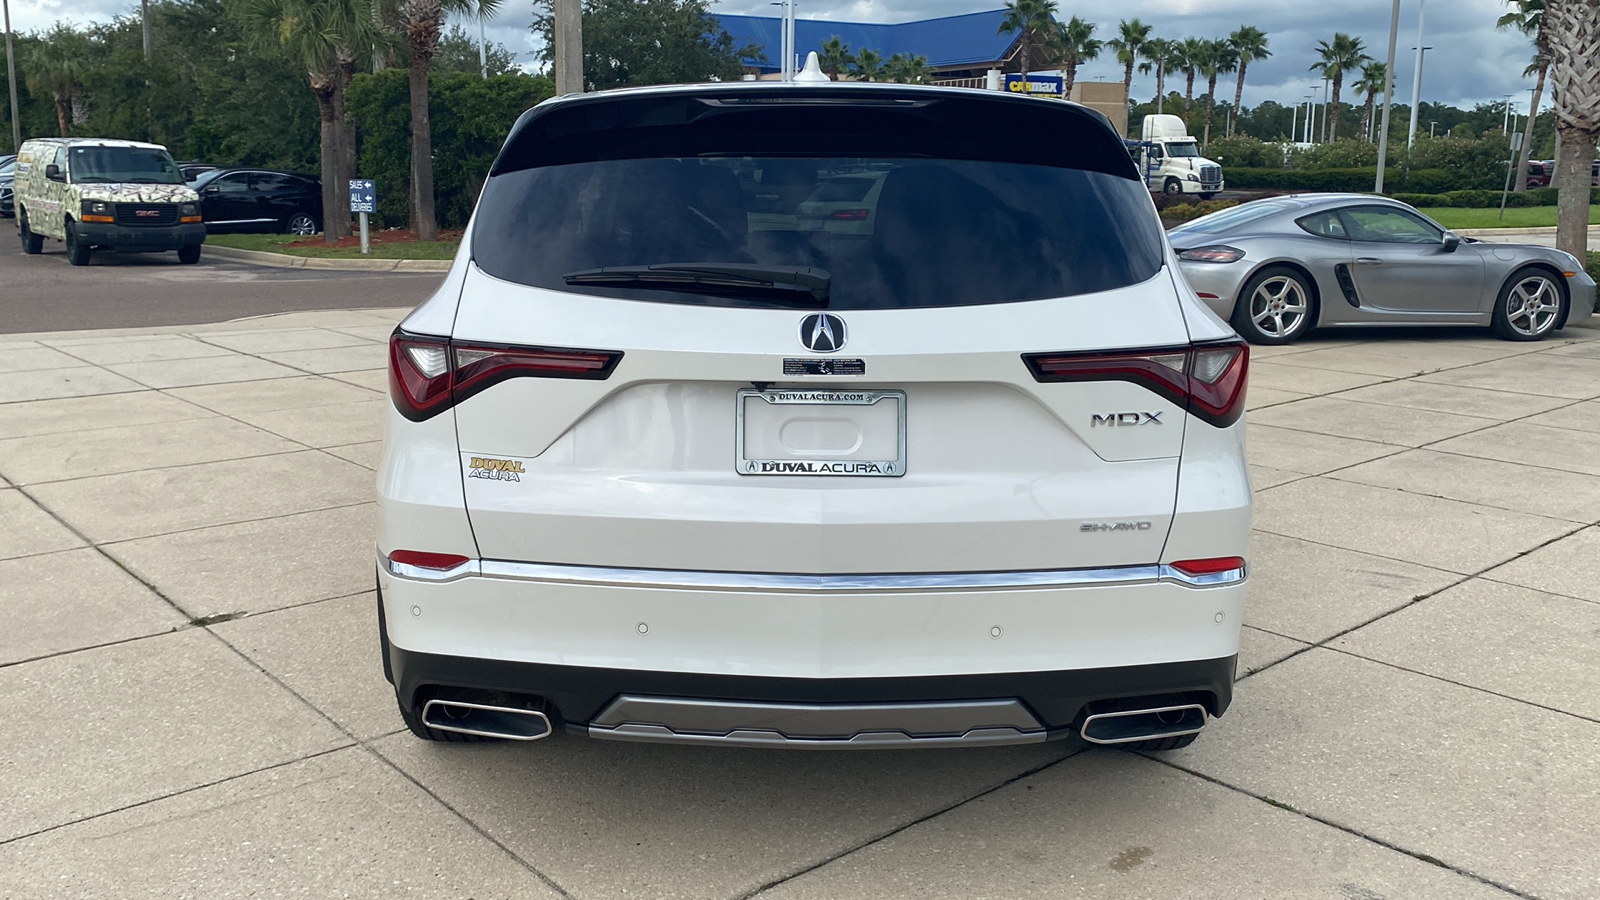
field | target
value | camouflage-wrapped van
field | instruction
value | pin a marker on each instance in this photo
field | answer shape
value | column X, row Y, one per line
column 114, row 195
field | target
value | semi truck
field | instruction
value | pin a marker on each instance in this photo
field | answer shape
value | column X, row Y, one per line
column 1170, row 159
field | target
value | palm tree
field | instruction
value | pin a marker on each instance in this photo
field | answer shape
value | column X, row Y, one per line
column 1572, row 28
column 1073, row 43
column 1342, row 55
column 835, row 55
column 1527, row 16
column 1190, row 51
column 1220, row 58
column 56, row 66
column 904, row 69
column 867, row 66
column 319, row 35
column 1373, row 82
column 422, row 21
column 1034, row 19
column 1129, row 45
column 1161, row 55
column 1249, row 43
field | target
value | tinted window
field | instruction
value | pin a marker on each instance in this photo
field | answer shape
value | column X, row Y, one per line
column 236, row 183
column 1327, row 224
column 939, row 233
column 271, row 181
column 1243, row 214
column 122, row 165
column 1376, row 224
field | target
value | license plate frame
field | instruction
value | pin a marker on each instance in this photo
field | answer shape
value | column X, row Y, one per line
column 856, row 468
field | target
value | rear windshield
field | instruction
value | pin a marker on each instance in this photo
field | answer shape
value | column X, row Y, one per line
column 1225, row 219
column 121, row 165
column 907, row 226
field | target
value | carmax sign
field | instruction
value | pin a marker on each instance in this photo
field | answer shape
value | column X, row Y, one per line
column 1037, row 85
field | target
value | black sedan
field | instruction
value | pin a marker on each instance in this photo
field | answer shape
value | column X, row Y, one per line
column 8, row 173
column 259, row 200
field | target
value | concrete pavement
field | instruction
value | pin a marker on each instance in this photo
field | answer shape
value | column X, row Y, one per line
column 196, row 707
column 131, row 290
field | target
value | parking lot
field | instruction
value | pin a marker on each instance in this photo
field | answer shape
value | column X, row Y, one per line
column 196, row 706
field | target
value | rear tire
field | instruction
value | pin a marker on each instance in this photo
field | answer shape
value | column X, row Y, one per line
column 1275, row 307
column 189, row 255
column 1162, row 744
column 1528, row 307
column 1207, row 195
column 300, row 223
column 32, row 243
column 77, row 251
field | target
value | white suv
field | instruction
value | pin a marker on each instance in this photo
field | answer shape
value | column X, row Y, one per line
column 667, row 462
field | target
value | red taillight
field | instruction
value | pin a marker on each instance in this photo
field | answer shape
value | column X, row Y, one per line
column 1206, row 379
column 1210, row 566
column 852, row 215
column 427, row 374
column 439, row 561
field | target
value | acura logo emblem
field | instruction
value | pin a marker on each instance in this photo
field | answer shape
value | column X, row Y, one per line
column 822, row 332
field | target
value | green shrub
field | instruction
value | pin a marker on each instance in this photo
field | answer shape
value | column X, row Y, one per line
column 1341, row 154
column 1244, row 150
column 1418, row 181
column 471, row 117
column 1487, row 199
column 1475, row 162
column 1175, row 213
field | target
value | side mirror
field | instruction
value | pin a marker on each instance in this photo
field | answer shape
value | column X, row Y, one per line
column 213, row 189
column 53, row 172
column 1451, row 241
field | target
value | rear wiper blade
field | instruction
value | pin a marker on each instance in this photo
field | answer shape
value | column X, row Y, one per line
column 791, row 284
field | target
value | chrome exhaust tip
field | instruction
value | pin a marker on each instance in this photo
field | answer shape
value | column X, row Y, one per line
column 1129, row 725
column 505, row 722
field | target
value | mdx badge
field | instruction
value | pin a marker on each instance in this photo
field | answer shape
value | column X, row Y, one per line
column 822, row 332
column 1125, row 419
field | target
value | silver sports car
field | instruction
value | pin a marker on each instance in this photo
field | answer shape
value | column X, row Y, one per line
column 1276, row 268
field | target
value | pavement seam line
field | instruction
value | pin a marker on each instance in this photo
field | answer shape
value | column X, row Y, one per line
column 371, row 751
column 178, row 793
column 482, row 832
column 1387, row 845
column 1420, row 598
column 862, row 845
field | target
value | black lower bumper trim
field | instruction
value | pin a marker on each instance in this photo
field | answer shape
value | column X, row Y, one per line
column 579, row 693
column 141, row 238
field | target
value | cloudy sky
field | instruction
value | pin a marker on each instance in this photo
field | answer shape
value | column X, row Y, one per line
column 1471, row 62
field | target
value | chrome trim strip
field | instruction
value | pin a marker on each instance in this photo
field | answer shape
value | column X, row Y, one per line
column 682, row 579
column 871, row 740
column 849, row 583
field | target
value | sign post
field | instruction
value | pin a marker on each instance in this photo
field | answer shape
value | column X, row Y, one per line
column 363, row 200
column 1511, row 169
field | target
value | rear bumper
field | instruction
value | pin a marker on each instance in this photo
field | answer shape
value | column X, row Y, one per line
column 587, row 639
column 129, row 237
column 1057, row 700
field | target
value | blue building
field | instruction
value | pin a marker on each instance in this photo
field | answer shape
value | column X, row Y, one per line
column 959, row 48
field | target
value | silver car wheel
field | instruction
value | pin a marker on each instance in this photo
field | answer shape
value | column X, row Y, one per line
column 302, row 224
column 1278, row 307
column 1532, row 306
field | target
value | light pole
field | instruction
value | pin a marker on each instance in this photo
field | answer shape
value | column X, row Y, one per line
column 569, row 47
column 1388, row 99
column 1506, row 115
column 1430, row 127
column 1311, row 116
column 1416, row 85
column 11, row 77
column 1325, row 136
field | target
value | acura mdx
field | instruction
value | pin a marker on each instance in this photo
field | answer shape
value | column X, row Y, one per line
column 676, row 455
